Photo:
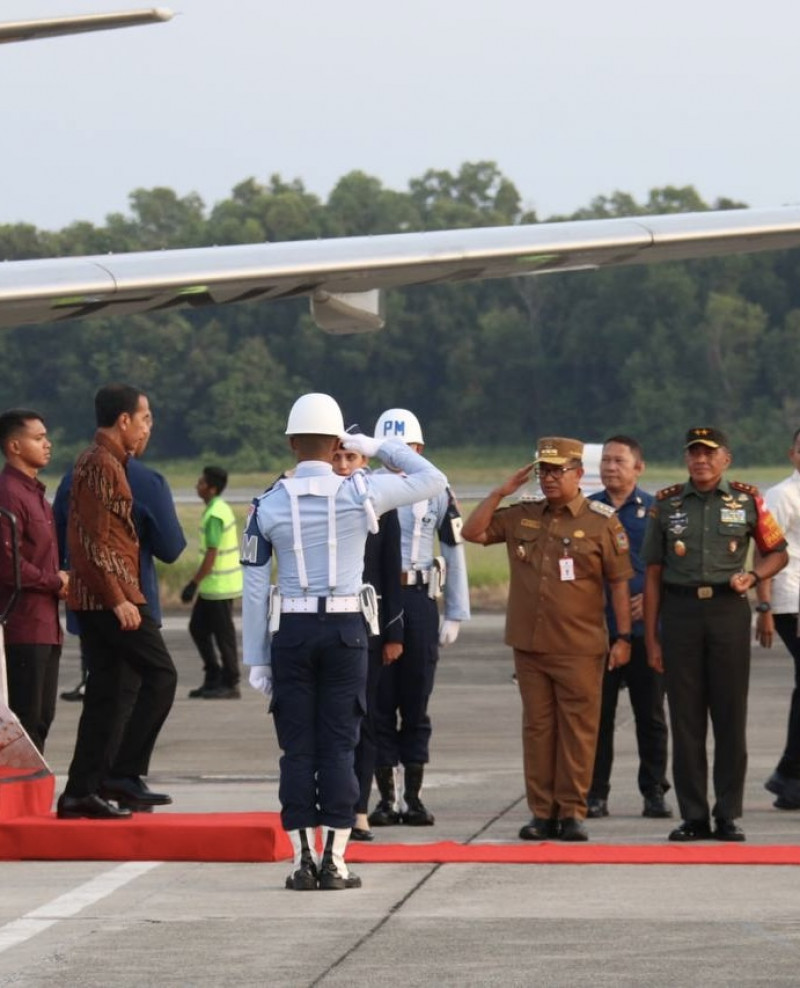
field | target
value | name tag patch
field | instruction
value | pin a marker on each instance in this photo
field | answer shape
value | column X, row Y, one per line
column 733, row 516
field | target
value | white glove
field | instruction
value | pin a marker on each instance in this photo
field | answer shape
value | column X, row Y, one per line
column 359, row 443
column 261, row 679
column 448, row 632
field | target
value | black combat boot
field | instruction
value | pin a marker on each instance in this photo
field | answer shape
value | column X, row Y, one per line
column 415, row 814
column 304, row 876
column 333, row 872
column 385, row 813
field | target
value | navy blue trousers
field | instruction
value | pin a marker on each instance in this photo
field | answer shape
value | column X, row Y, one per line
column 646, row 692
column 402, row 724
column 319, row 675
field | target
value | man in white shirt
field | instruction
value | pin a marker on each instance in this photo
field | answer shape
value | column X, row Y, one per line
column 779, row 600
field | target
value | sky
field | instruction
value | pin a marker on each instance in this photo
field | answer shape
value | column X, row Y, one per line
column 572, row 100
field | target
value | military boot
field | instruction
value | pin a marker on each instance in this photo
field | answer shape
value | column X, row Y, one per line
column 415, row 813
column 304, row 876
column 333, row 873
column 385, row 813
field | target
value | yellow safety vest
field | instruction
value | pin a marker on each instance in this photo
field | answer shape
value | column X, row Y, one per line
column 225, row 579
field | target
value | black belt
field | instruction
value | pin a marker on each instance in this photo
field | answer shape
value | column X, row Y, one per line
column 703, row 592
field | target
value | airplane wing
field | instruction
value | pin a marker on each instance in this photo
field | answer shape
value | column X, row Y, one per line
column 344, row 278
column 53, row 27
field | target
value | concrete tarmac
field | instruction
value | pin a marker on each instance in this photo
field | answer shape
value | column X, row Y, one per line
column 87, row 923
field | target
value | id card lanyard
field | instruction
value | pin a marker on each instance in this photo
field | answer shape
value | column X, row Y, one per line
column 566, row 564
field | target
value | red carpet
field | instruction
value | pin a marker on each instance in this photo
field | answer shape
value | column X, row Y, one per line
column 259, row 837
column 25, row 792
column 147, row 837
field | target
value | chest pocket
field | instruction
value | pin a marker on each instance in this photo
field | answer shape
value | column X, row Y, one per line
column 525, row 544
column 584, row 553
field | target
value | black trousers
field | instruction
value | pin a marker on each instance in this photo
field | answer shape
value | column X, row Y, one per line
column 32, row 674
column 115, row 658
column 367, row 749
column 212, row 622
column 789, row 765
column 646, row 692
column 402, row 724
column 706, row 647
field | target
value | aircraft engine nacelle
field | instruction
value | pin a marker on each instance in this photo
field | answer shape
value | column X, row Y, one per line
column 348, row 312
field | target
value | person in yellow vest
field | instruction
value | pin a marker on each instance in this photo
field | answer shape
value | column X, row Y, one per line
column 218, row 582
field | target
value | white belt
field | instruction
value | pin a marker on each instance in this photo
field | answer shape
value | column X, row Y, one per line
column 319, row 605
column 415, row 577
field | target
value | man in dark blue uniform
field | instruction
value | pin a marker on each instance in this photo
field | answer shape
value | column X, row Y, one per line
column 382, row 564
column 621, row 466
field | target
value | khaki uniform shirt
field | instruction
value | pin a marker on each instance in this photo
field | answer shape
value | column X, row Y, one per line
column 702, row 537
column 545, row 612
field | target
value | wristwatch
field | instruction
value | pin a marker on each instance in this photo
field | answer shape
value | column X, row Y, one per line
column 626, row 637
column 764, row 607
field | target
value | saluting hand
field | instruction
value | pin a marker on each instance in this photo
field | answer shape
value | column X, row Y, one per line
column 515, row 481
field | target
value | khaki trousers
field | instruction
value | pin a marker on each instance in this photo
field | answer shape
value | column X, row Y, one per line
column 561, row 697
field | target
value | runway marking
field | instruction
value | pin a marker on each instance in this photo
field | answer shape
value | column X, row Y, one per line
column 71, row 903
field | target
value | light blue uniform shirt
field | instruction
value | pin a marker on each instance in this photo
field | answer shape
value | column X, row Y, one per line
column 269, row 528
column 456, row 588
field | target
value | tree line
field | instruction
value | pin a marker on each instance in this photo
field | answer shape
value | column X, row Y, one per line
column 647, row 350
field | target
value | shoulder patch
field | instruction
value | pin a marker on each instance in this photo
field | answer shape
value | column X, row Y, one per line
column 670, row 491
column 601, row 508
column 750, row 489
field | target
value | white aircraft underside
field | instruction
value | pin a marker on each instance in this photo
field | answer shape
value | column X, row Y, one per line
column 344, row 278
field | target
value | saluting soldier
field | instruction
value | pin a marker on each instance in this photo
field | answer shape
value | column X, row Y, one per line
column 561, row 550
column 695, row 549
column 306, row 638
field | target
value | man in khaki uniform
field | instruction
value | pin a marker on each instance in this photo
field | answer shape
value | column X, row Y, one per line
column 560, row 551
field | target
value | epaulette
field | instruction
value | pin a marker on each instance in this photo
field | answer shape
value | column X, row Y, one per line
column 671, row 491
column 750, row 489
column 602, row 508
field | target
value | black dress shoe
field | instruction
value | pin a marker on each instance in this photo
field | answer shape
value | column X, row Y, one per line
column 573, row 829
column 92, row 807
column 595, row 808
column 728, row 831
column 77, row 694
column 655, row 807
column 781, row 803
column 691, row 830
column 133, row 792
column 540, row 828
column 359, row 833
column 222, row 693
column 775, row 783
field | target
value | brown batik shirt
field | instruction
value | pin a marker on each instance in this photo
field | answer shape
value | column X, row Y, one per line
column 102, row 539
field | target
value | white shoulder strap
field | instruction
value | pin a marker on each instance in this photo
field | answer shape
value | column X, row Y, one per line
column 325, row 486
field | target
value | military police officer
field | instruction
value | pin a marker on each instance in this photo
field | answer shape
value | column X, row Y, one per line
column 697, row 625
column 306, row 639
column 402, row 723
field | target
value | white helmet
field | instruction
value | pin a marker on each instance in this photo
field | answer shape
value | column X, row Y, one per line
column 399, row 423
column 315, row 414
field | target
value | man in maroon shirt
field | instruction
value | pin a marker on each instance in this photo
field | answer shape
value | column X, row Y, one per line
column 33, row 632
